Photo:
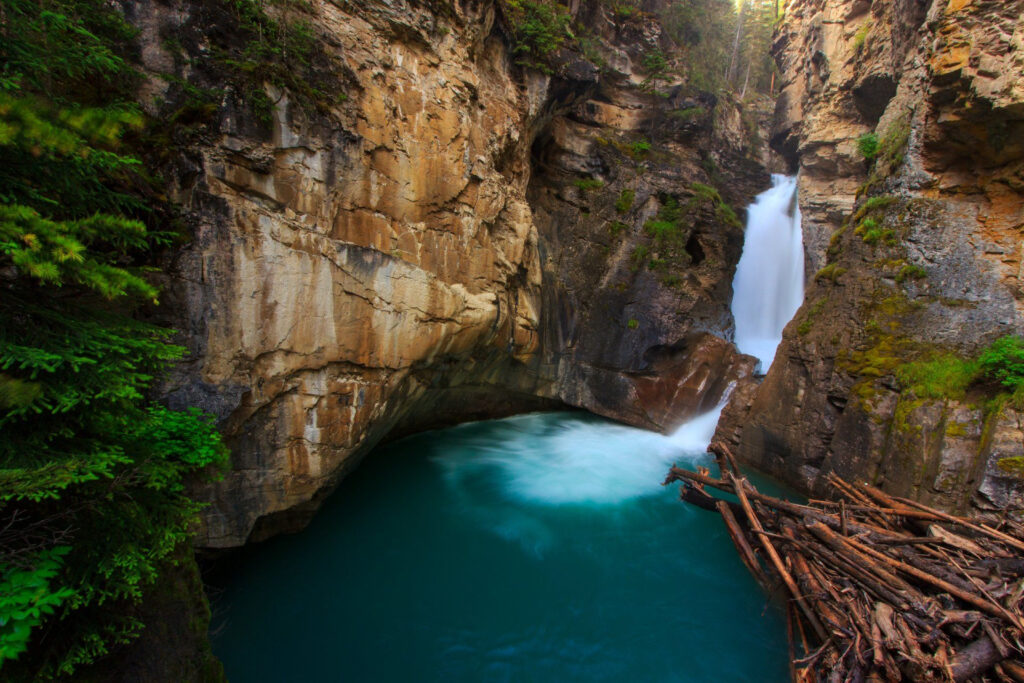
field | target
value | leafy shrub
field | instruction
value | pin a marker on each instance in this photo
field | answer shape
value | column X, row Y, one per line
column 1003, row 362
column 616, row 228
column 861, row 37
column 539, row 28
column 625, row 200
column 639, row 149
column 633, row 323
column 867, row 145
column 655, row 63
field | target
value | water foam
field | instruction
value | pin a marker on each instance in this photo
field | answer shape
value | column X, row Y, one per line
column 559, row 459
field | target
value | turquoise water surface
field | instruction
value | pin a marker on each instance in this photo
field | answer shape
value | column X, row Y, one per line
column 535, row 548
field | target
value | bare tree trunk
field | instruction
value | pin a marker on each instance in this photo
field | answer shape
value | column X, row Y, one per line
column 730, row 76
column 746, row 82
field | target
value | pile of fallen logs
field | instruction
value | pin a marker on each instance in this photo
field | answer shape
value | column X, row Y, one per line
column 878, row 588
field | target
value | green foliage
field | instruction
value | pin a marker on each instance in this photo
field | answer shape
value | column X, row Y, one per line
column 911, row 272
column 860, row 38
column 876, row 235
column 625, row 201
column 704, row 32
column 655, row 63
column 867, row 145
column 890, row 150
column 831, row 272
column 26, row 598
column 639, row 256
column 667, row 228
column 671, row 280
column 616, row 228
column 92, row 473
column 874, row 204
column 278, row 50
column 723, row 211
column 865, row 225
column 997, row 371
column 1003, row 362
column 893, row 146
column 80, row 251
column 68, row 50
column 539, row 28
column 588, row 184
column 943, row 375
column 639, row 149
column 633, row 323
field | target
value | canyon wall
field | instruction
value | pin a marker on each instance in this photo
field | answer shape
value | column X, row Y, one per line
column 443, row 234
column 914, row 256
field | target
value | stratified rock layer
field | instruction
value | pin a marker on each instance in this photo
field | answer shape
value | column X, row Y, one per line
column 435, row 244
column 913, row 256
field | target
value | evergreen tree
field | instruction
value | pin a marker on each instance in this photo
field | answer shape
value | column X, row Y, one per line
column 92, row 473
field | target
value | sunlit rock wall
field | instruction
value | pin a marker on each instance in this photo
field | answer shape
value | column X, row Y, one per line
column 915, row 256
column 394, row 263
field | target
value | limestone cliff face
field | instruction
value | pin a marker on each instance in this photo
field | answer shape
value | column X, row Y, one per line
column 913, row 256
column 440, row 242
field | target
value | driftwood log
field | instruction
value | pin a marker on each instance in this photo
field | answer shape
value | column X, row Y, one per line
column 878, row 588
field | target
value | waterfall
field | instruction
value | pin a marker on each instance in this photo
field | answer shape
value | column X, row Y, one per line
column 769, row 284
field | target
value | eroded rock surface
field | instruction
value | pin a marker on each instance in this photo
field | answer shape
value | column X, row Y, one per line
column 911, row 257
column 441, row 242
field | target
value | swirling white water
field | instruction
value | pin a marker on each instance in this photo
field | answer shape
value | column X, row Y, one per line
column 548, row 460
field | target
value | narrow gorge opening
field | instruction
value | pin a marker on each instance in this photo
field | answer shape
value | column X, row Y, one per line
column 538, row 547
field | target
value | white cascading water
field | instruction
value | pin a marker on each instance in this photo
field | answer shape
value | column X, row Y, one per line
column 769, row 284
column 551, row 459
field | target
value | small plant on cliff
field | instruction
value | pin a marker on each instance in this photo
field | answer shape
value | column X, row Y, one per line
column 625, row 200
column 998, row 370
column 911, row 272
column 655, row 63
column 588, row 184
column 867, row 145
column 639, row 149
column 633, row 323
column 944, row 375
column 861, row 37
column 539, row 28
column 1003, row 362
column 639, row 256
column 831, row 272
column 281, row 51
